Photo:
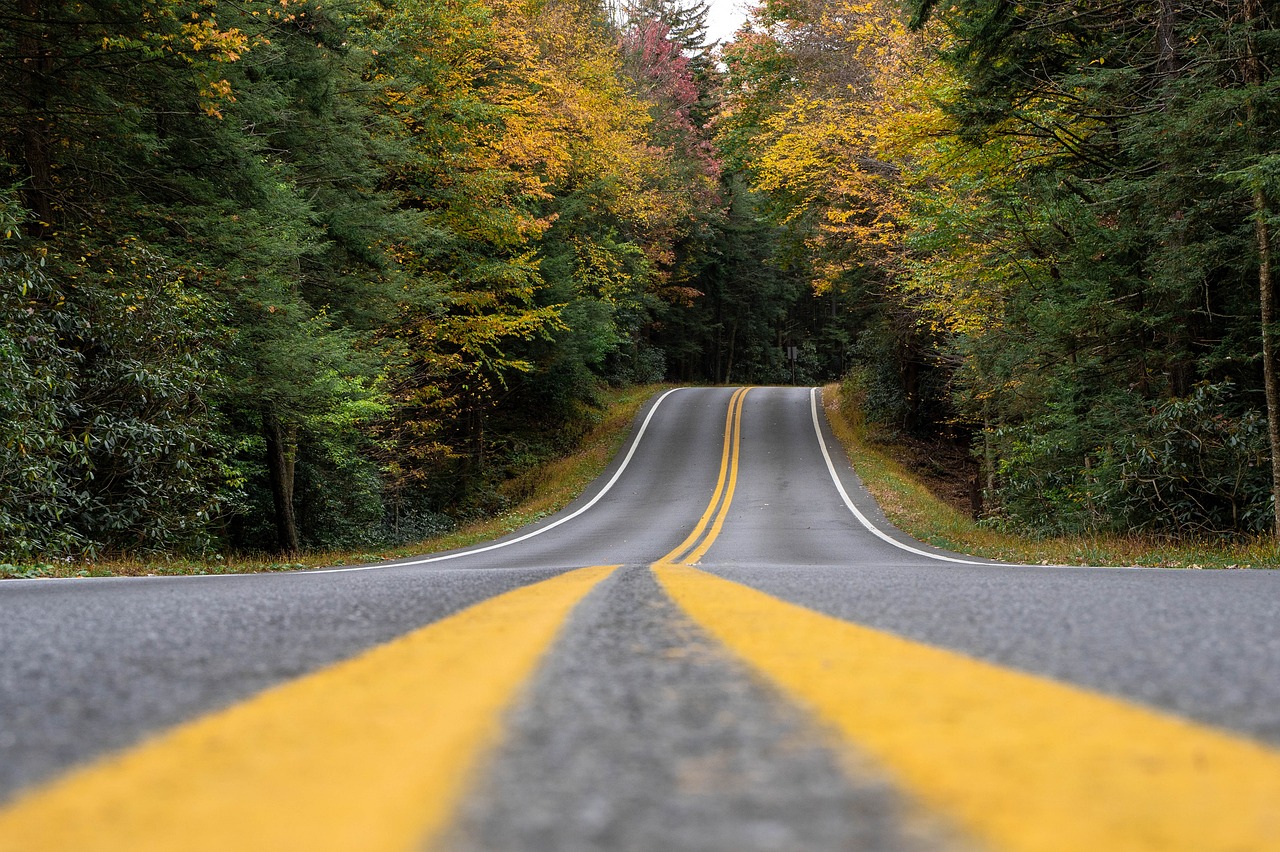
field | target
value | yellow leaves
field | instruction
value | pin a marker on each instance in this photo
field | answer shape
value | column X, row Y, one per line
column 826, row 151
column 212, row 94
column 476, row 68
column 860, row 157
column 203, row 36
column 220, row 89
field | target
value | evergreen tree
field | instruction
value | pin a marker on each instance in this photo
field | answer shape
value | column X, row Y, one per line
column 1139, row 238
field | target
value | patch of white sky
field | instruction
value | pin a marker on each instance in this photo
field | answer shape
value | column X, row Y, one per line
column 725, row 18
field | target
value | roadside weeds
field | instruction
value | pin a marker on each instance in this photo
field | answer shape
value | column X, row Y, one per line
column 540, row 492
column 913, row 508
column 546, row 489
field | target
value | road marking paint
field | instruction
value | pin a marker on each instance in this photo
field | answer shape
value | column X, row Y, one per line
column 695, row 556
column 626, row 460
column 722, row 496
column 1024, row 763
column 371, row 754
column 857, row 513
column 725, row 456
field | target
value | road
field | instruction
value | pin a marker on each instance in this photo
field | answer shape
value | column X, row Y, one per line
column 815, row 681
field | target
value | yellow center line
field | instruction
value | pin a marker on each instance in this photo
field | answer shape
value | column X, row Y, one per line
column 371, row 754
column 1022, row 762
column 725, row 485
column 731, row 486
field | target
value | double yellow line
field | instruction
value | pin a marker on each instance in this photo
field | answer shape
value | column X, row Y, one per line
column 371, row 754
column 704, row 534
column 1017, row 761
column 376, row 753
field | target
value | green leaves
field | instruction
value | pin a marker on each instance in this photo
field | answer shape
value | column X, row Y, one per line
column 104, row 439
column 1052, row 218
column 343, row 262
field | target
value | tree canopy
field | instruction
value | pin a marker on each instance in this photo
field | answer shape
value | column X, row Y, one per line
column 287, row 274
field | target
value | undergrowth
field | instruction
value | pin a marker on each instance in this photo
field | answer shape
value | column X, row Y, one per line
column 547, row 488
column 537, row 492
column 916, row 510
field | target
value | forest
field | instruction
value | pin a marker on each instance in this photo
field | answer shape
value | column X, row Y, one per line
column 284, row 275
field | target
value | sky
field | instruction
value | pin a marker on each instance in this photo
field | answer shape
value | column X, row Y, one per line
column 725, row 18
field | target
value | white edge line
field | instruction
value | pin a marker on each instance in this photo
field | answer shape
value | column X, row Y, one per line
column 813, row 407
column 455, row 555
column 844, row 495
column 470, row 551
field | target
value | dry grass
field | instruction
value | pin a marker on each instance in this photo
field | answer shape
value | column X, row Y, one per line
column 918, row 511
column 545, row 490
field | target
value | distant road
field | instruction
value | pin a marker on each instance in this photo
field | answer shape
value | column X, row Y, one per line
column 722, row 645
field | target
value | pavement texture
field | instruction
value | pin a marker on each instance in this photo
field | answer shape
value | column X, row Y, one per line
column 641, row 733
column 92, row 667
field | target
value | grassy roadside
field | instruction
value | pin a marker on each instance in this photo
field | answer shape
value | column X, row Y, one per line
column 912, row 507
column 540, row 492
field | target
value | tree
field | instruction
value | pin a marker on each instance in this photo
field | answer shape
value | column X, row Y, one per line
column 1133, row 135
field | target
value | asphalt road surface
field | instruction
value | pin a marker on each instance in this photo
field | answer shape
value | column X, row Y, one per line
column 722, row 645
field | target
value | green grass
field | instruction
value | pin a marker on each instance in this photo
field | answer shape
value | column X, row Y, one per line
column 916, row 510
column 541, row 491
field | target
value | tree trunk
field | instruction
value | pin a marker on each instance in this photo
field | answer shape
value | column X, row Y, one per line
column 988, row 455
column 975, row 492
column 1270, row 374
column 478, row 438
column 33, row 147
column 733, row 342
column 910, row 391
column 1167, row 36
column 282, row 454
column 1255, row 19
